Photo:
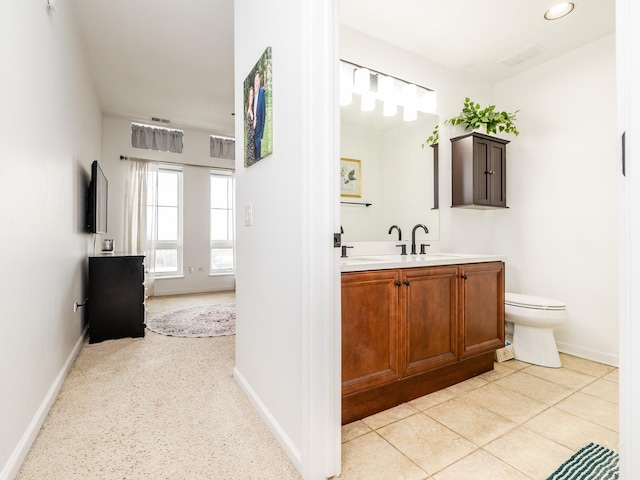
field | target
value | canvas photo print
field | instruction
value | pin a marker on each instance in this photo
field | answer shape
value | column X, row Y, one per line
column 258, row 111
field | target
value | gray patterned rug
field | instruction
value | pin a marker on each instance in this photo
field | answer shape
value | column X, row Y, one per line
column 200, row 321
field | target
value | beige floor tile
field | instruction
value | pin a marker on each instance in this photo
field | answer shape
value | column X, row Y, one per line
column 590, row 408
column 426, row 442
column 432, row 399
column 515, row 364
column 466, row 386
column 353, row 430
column 499, row 371
column 612, row 376
column 512, row 405
column 389, row 416
column 571, row 431
column 470, row 420
column 604, row 389
column 370, row 457
column 537, row 388
column 562, row 376
column 529, row 452
column 480, row 465
column 585, row 366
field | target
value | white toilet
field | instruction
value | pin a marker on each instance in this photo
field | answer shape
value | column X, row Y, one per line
column 534, row 319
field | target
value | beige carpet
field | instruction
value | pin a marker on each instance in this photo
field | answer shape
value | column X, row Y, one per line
column 157, row 407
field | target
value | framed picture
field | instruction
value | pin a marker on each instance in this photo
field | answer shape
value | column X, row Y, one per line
column 258, row 110
column 350, row 178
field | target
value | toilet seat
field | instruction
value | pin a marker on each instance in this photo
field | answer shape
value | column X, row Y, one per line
column 532, row 302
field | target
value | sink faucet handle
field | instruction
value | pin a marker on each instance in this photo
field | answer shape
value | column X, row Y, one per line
column 423, row 249
column 404, row 248
column 344, row 250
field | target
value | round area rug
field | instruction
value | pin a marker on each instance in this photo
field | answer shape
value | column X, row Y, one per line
column 200, row 321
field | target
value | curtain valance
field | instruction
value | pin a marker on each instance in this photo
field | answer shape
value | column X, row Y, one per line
column 223, row 148
column 150, row 138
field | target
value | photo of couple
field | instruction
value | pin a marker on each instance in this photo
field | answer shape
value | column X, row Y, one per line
column 258, row 133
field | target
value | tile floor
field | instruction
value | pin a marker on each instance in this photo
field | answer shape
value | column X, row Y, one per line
column 517, row 422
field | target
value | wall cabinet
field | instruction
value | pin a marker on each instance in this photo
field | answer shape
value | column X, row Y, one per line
column 409, row 332
column 116, row 306
column 478, row 171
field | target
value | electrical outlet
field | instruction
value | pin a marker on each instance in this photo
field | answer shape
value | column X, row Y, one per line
column 201, row 269
column 248, row 215
column 75, row 307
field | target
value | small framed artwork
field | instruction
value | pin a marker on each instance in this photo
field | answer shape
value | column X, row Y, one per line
column 350, row 178
column 258, row 110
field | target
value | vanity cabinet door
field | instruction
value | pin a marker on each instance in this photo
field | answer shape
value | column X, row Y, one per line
column 370, row 317
column 428, row 335
column 481, row 308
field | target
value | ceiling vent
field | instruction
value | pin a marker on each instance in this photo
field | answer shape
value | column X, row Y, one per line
column 161, row 120
column 524, row 55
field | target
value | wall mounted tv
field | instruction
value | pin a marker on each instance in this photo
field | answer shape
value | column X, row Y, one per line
column 97, row 196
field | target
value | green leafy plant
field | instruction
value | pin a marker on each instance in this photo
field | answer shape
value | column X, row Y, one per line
column 433, row 139
column 474, row 117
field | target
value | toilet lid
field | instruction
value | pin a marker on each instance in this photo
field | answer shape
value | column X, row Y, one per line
column 529, row 301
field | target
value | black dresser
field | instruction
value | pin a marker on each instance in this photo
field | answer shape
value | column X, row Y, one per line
column 116, row 296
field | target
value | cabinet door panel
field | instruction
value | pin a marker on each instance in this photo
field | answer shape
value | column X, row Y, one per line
column 428, row 327
column 370, row 309
column 481, row 308
column 481, row 165
column 498, row 179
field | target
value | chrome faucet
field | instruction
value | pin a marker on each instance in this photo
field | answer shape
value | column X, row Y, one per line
column 413, row 236
column 399, row 231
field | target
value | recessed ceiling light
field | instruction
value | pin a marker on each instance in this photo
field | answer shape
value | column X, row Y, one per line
column 559, row 11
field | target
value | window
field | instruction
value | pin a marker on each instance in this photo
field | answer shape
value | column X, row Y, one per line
column 168, row 214
column 221, row 222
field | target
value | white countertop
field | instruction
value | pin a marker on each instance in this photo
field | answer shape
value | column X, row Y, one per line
column 386, row 262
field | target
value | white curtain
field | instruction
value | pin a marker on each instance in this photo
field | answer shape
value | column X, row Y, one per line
column 220, row 147
column 140, row 232
column 151, row 138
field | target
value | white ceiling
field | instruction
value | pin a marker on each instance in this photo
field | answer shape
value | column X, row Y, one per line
column 174, row 60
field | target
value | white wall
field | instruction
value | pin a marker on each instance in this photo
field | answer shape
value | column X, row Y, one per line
column 50, row 125
column 287, row 339
column 117, row 141
column 562, row 190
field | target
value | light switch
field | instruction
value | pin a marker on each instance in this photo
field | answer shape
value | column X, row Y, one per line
column 248, row 215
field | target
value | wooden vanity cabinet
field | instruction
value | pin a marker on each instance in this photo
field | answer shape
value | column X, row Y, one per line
column 478, row 171
column 428, row 325
column 410, row 332
column 481, row 308
column 370, row 325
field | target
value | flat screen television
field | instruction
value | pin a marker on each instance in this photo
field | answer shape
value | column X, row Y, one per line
column 97, row 196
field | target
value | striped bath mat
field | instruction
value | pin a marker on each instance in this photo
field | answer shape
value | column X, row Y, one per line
column 592, row 462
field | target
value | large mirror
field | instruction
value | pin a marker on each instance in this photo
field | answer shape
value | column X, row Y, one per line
column 397, row 174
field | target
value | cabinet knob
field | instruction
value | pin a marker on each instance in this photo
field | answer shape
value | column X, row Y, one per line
column 407, row 283
column 398, row 284
column 464, row 276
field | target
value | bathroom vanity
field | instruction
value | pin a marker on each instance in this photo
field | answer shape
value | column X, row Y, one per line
column 415, row 324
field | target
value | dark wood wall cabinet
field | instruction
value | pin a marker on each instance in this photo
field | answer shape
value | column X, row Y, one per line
column 410, row 332
column 478, row 171
column 116, row 297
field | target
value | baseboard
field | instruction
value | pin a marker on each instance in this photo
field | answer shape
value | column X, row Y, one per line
column 274, row 427
column 593, row 355
column 12, row 467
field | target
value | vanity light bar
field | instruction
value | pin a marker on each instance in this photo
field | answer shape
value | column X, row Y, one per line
column 392, row 91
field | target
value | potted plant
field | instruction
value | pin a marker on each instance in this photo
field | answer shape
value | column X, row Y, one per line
column 473, row 117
